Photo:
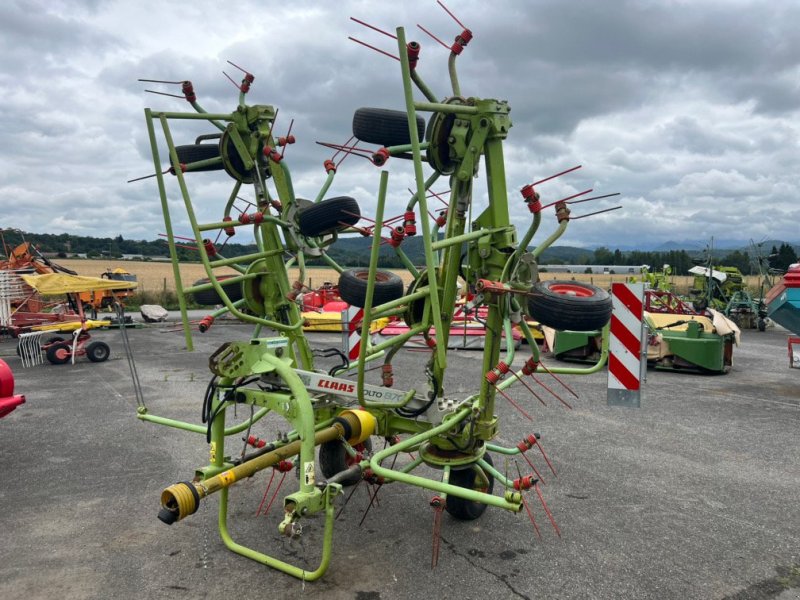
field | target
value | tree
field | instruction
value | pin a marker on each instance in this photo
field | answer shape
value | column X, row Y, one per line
column 603, row 256
column 738, row 259
column 786, row 257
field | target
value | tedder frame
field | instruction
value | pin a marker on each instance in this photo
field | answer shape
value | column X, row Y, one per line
column 336, row 410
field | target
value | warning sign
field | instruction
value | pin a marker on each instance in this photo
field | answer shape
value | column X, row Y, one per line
column 308, row 472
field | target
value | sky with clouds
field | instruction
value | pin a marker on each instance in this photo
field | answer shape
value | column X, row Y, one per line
column 689, row 109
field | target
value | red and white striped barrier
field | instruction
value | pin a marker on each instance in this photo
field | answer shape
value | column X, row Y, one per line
column 351, row 331
column 627, row 361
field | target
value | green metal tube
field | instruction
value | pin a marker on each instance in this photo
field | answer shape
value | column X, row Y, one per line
column 224, row 262
column 467, row 237
column 441, row 349
column 428, row 183
column 203, row 111
column 143, row 416
column 426, row 91
column 326, row 185
column 423, row 482
column 601, row 362
column 225, row 224
column 522, row 247
column 446, row 108
column 221, row 311
column 162, row 192
column 507, row 483
column 213, row 285
column 406, row 262
column 265, row 559
column 451, row 68
column 562, row 227
column 399, row 339
column 195, row 117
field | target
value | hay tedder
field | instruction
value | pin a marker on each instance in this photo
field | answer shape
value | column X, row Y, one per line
column 339, row 409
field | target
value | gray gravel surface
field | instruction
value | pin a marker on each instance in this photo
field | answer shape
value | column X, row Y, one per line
column 695, row 495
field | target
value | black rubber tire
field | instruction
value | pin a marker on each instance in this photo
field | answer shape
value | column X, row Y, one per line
column 98, row 352
column 211, row 298
column 571, row 305
column 384, row 127
column 59, row 354
column 196, row 152
column 333, row 459
column 467, row 510
column 328, row 216
column 353, row 287
column 762, row 325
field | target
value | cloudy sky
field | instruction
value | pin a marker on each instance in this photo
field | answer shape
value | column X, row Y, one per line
column 690, row 109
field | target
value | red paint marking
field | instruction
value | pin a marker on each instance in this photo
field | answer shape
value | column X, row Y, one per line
column 626, row 337
column 624, row 294
column 625, row 377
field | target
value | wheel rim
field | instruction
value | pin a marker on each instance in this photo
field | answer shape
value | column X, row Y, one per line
column 62, row 354
column 571, row 289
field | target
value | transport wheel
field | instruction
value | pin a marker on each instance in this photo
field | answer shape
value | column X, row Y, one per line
column 211, row 298
column 328, row 216
column 569, row 305
column 333, row 458
column 196, row 152
column 59, row 353
column 353, row 287
column 98, row 352
column 762, row 325
column 467, row 510
column 384, row 126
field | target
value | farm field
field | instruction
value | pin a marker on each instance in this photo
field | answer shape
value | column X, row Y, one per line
column 157, row 276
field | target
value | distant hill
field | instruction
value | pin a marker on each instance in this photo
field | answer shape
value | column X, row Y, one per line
column 354, row 251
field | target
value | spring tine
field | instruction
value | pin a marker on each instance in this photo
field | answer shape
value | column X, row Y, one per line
column 266, row 491
column 373, row 48
column 514, row 404
column 440, row 3
column 166, row 94
column 433, row 36
column 547, row 460
column 277, row 489
column 545, row 386
column 530, row 389
column 559, row 380
column 161, row 81
column 245, row 71
column 437, row 527
column 593, row 198
column 346, row 500
column 557, row 175
column 547, row 510
column 372, row 498
column 144, row 177
column 532, row 466
column 597, row 212
column 386, row 33
column 530, row 514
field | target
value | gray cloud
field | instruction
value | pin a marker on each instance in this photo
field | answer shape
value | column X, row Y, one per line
column 689, row 109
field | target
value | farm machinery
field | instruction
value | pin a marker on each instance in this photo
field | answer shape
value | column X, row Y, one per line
column 22, row 307
column 723, row 289
column 335, row 412
column 43, row 339
column 681, row 338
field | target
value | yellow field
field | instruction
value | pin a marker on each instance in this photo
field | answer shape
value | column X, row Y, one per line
column 155, row 277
